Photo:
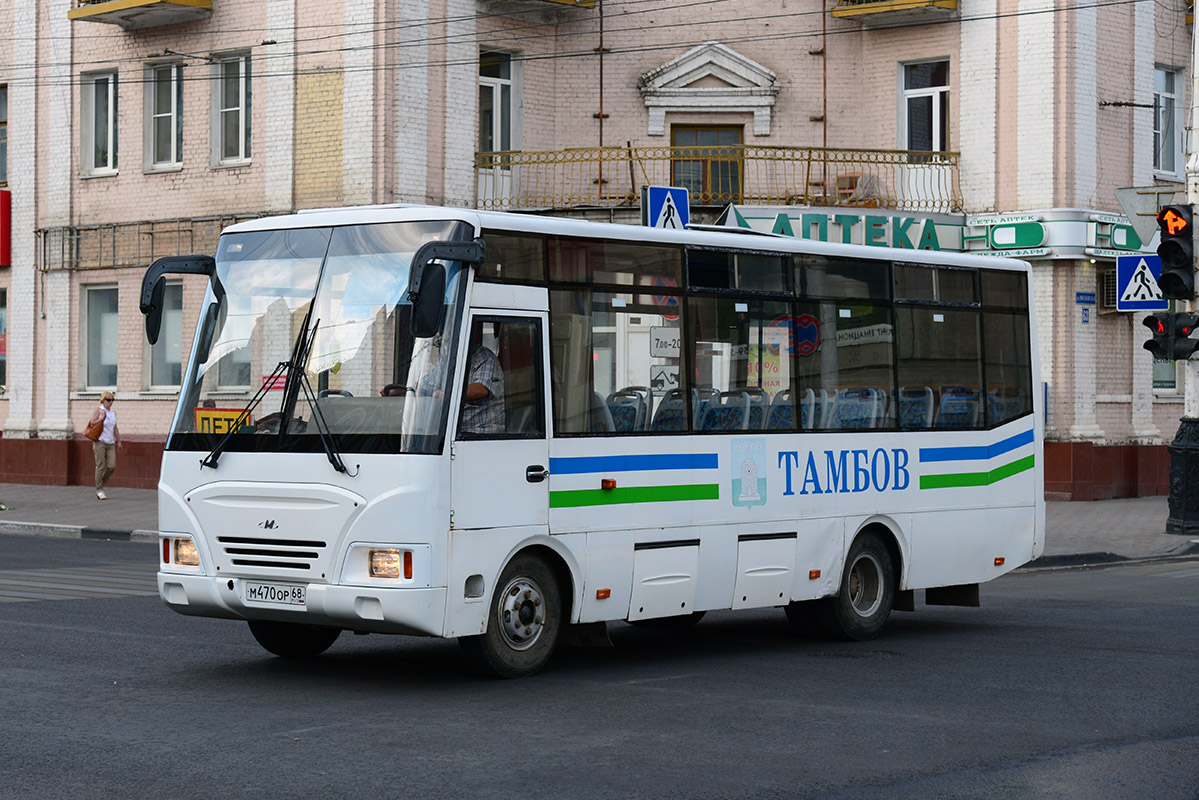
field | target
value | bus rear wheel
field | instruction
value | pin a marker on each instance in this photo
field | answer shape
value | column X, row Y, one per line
column 293, row 640
column 860, row 610
column 523, row 623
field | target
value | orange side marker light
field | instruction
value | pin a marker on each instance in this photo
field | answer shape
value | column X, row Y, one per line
column 603, row 594
column 813, row 574
column 999, row 561
column 608, row 484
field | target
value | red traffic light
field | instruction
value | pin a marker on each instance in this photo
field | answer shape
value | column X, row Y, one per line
column 1173, row 221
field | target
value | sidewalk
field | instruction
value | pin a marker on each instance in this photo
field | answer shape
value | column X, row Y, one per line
column 1077, row 532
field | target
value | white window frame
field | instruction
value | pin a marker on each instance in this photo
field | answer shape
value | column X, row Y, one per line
column 220, row 110
column 940, row 97
column 171, row 117
column 1167, row 142
column 497, row 86
column 85, row 330
column 169, row 328
column 88, row 138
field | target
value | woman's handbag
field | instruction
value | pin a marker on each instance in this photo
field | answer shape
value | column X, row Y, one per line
column 94, row 430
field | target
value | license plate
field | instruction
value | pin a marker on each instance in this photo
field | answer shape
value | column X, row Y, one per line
column 275, row 593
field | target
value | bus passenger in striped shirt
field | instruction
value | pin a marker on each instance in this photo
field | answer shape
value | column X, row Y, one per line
column 483, row 409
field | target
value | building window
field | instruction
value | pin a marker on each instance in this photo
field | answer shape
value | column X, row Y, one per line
column 233, row 110
column 925, row 113
column 495, row 102
column 3, row 135
column 100, row 124
column 165, row 110
column 707, row 161
column 166, row 365
column 1166, row 149
column 101, row 336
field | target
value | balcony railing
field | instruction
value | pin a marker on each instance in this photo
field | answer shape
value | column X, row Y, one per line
column 871, row 12
column 744, row 174
column 129, row 244
column 136, row 14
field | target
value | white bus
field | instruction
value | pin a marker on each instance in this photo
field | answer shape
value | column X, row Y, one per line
column 513, row 429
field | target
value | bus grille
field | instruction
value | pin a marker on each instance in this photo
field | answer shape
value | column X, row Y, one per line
column 289, row 554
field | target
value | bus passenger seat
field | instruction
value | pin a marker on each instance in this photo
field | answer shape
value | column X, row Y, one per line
column 626, row 410
column 915, row 404
column 855, row 409
column 959, row 407
column 728, row 411
column 600, row 419
column 782, row 412
column 672, row 412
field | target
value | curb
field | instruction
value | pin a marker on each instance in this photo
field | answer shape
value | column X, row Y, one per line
column 1101, row 559
column 79, row 531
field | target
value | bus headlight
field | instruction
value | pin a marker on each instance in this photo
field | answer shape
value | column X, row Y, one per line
column 186, row 554
column 390, row 562
column 180, row 551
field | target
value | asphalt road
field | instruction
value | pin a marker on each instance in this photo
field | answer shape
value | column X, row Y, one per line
column 1065, row 684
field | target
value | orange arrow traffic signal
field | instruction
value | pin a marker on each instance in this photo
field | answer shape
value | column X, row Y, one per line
column 1172, row 222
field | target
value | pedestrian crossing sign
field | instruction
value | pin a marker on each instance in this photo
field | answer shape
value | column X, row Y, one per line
column 665, row 207
column 1136, row 284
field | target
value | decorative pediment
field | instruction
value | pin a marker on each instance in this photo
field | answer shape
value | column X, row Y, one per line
column 709, row 78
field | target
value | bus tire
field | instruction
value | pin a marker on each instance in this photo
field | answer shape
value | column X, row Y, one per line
column 523, row 623
column 859, row 611
column 292, row 639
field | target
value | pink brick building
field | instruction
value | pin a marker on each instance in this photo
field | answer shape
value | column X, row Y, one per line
column 132, row 130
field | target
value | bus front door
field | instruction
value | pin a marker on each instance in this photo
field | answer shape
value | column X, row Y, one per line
column 500, row 463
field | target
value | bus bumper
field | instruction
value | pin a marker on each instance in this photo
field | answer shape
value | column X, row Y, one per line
column 419, row 611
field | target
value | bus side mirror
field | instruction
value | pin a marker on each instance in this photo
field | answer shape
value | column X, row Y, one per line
column 428, row 303
column 154, row 312
column 426, row 282
column 154, row 285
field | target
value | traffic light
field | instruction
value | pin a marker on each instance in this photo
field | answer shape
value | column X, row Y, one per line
column 1172, row 335
column 1177, row 252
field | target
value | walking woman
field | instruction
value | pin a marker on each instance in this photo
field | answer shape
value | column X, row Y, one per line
column 105, row 448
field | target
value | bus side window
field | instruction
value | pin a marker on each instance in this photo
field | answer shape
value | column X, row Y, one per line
column 502, row 396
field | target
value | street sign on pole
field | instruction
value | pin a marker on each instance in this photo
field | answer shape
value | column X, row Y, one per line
column 1136, row 284
column 1141, row 204
column 665, row 207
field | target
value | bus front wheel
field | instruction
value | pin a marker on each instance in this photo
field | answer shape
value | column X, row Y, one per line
column 859, row 611
column 293, row 640
column 523, row 623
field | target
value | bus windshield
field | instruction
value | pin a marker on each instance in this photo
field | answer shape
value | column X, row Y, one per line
column 337, row 299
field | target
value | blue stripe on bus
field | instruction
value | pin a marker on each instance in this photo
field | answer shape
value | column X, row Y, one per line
column 587, row 464
column 982, row 452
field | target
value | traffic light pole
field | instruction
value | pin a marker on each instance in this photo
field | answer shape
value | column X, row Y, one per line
column 1184, row 450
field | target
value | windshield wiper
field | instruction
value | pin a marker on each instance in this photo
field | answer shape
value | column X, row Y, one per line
column 297, row 382
column 328, row 440
column 214, row 455
column 299, row 349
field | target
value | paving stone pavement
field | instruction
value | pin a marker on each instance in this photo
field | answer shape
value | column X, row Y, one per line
column 1128, row 527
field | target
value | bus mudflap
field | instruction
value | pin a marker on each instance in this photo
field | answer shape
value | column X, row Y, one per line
column 965, row 594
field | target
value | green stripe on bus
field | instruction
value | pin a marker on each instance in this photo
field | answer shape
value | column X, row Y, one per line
column 976, row 478
column 634, row 494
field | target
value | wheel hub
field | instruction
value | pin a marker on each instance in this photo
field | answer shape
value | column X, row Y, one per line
column 866, row 585
column 522, row 613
